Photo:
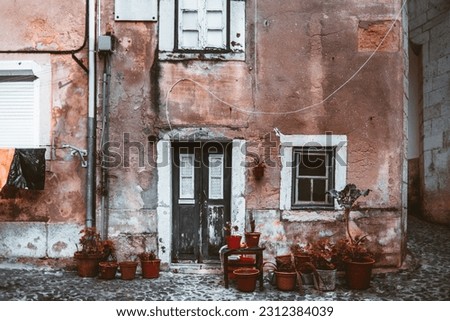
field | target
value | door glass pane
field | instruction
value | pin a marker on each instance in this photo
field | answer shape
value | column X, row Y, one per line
column 186, row 176
column 215, row 176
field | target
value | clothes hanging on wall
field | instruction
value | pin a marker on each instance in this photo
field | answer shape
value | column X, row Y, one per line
column 25, row 168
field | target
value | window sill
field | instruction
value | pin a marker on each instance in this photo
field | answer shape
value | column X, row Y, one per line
column 311, row 215
column 164, row 55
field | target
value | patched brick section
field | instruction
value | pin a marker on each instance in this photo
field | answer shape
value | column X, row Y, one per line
column 371, row 33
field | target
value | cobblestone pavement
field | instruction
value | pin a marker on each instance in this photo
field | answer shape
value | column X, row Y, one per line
column 426, row 276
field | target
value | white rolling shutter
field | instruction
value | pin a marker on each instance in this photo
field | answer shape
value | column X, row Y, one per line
column 18, row 115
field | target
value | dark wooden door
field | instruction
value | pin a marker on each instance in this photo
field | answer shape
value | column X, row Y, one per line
column 201, row 180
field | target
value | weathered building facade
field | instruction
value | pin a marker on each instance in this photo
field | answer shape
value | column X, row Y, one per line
column 189, row 97
column 430, row 109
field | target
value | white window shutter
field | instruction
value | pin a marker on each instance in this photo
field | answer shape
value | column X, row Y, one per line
column 237, row 27
column 18, row 115
column 209, row 33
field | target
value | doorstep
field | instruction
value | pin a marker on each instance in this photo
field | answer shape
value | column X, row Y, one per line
column 196, row 268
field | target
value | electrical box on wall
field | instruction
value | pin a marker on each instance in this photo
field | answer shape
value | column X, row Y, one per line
column 104, row 44
column 136, row 10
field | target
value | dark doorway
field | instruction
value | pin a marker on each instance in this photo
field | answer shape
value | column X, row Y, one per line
column 201, row 180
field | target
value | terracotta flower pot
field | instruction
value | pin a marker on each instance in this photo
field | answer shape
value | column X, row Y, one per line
column 246, row 279
column 252, row 239
column 286, row 281
column 87, row 264
column 358, row 274
column 150, row 268
column 128, row 270
column 107, row 270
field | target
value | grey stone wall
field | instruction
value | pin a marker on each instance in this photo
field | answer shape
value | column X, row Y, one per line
column 429, row 25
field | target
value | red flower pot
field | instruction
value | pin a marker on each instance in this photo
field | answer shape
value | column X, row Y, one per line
column 246, row 279
column 252, row 239
column 107, row 270
column 150, row 269
column 87, row 264
column 358, row 274
column 128, row 270
column 233, row 241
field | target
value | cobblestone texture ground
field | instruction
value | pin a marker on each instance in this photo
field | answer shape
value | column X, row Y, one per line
column 425, row 276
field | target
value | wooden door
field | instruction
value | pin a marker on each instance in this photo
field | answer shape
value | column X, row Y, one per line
column 201, row 180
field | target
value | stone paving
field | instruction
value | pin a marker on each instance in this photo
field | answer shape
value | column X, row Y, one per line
column 425, row 276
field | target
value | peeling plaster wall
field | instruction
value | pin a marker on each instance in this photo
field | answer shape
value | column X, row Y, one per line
column 47, row 222
column 429, row 25
column 132, row 176
column 298, row 54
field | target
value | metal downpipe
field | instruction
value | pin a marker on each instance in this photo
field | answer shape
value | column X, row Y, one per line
column 91, row 124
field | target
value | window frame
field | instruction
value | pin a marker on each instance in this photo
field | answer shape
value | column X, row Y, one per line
column 329, row 153
column 236, row 37
column 287, row 145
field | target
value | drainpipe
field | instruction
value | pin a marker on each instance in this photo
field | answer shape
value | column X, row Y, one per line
column 91, row 129
column 103, row 144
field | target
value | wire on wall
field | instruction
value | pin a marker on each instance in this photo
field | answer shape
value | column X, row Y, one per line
column 256, row 112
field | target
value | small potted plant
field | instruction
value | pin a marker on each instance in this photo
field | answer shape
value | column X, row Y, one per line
column 108, row 266
column 258, row 170
column 353, row 254
column 303, row 263
column 252, row 237
column 323, row 258
column 285, row 278
column 150, row 264
column 128, row 268
column 233, row 240
column 93, row 250
column 357, row 262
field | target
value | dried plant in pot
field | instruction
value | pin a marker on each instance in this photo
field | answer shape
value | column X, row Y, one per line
column 352, row 252
column 357, row 261
column 232, row 238
column 108, row 266
column 285, row 280
column 323, row 258
column 128, row 267
column 258, row 170
column 303, row 263
column 252, row 237
column 150, row 264
column 93, row 250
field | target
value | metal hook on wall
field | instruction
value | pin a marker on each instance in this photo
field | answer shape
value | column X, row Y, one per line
column 82, row 153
